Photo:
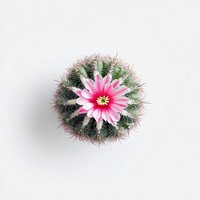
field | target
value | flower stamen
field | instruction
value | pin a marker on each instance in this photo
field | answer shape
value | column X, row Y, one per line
column 102, row 100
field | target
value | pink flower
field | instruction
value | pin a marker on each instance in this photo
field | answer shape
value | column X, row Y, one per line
column 102, row 99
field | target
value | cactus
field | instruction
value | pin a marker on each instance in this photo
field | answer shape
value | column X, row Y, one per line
column 99, row 99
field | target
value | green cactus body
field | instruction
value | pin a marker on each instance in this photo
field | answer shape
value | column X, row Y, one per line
column 87, row 128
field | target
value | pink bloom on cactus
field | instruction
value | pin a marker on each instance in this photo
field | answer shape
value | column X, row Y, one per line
column 103, row 98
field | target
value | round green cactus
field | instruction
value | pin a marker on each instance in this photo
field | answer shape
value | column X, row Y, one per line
column 99, row 99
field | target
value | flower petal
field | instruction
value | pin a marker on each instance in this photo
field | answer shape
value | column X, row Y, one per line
column 89, row 84
column 97, row 114
column 106, row 79
column 121, row 100
column 108, row 88
column 79, row 93
column 98, row 77
column 106, row 115
column 90, row 112
column 88, row 106
column 116, row 107
column 81, row 101
column 86, row 94
column 120, row 105
column 98, row 84
column 115, row 83
column 120, row 91
column 81, row 110
column 115, row 116
column 111, row 121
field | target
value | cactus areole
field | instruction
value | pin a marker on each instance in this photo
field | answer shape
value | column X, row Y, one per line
column 99, row 99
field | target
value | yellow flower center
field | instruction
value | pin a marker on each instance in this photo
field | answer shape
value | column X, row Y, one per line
column 103, row 100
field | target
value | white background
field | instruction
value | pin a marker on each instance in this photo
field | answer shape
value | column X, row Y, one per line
column 42, row 38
